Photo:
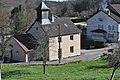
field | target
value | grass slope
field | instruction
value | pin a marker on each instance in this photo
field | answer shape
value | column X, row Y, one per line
column 90, row 70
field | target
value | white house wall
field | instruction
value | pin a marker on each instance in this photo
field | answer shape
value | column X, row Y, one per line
column 119, row 32
column 18, row 53
column 103, row 21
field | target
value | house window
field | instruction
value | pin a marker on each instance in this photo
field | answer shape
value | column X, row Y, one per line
column 65, row 25
column 110, row 35
column 45, row 14
column 100, row 19
column 71, row 49
column 11, row 45
column 71, row 37
column 37, row 28
column 109, row 27
column 17, row 51
column 113, row 27
column 11, row 53
column 100, row 26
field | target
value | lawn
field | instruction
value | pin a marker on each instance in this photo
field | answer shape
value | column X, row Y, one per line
column 88, row 70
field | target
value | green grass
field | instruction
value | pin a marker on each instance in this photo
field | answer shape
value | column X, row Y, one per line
column 88, row 70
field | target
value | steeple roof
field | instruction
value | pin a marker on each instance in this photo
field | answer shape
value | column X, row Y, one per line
column 43, row 6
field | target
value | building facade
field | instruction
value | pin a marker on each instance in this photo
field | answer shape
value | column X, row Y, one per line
column 104, row 26
column 57, row 37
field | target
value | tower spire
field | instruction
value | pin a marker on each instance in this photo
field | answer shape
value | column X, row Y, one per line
column 43, row 13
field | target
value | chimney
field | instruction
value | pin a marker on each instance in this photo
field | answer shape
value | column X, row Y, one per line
column 108, row 11
column 53, row 18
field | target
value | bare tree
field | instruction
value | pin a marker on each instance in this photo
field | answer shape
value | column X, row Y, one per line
column 114, row 61
column 18, row 20
column 4, row 30
column 42, row 47
column 29, row 13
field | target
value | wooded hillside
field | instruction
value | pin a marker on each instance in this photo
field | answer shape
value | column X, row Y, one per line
column 78, row 8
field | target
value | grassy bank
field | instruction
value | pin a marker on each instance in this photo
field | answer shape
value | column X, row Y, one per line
column 91, row 70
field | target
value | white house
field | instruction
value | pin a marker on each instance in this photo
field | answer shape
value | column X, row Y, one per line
column 105, row 25
column 60, row 37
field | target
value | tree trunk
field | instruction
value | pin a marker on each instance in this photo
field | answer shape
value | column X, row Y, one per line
column 3, row 56
column 113, row 73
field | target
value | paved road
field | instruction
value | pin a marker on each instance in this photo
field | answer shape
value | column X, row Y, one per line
column 86, row 55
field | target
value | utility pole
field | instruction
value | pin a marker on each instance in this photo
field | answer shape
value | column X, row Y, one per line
column 59, row 41
column 44, row 63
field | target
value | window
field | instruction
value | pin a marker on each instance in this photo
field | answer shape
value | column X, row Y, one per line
column 100, row 26
column 110, row 35
column 71, row 49
column 45, row 14
column 113, row 28
column 11, row 45
column 109, row 27
column 100, row 19
column 37, row 28
column 65, row 25
column 71, row 37
column 17, row 51
column 11, row 53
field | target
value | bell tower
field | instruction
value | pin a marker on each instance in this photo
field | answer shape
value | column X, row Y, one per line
column 43, row 13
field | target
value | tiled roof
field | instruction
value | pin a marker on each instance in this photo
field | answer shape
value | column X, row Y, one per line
column 25, row 41
column 67, row 27
column 115, row 17
column 116, row 7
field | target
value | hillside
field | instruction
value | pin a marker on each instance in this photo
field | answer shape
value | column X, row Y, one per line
column 13, row 3
column 80, row 8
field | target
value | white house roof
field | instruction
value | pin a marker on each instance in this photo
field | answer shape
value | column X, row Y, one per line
column 112, row 15
column 43, row 6
column 67, row 27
